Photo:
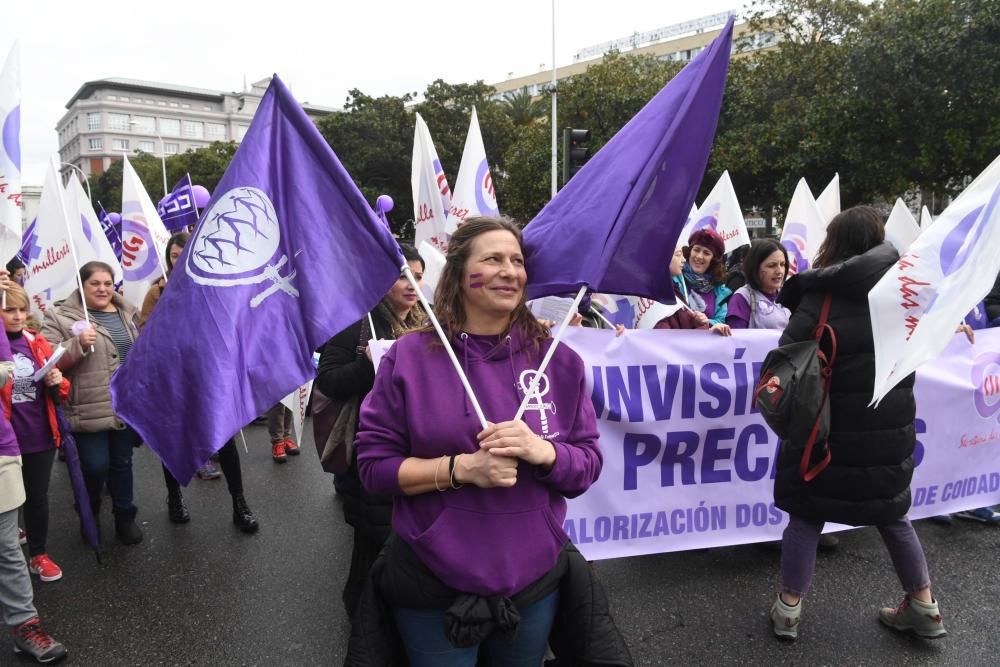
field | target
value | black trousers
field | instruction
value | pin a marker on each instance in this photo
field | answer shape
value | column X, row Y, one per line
column 229, row 461
column 36, row 470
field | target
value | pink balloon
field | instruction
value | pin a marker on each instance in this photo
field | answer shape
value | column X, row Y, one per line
column 201, row 196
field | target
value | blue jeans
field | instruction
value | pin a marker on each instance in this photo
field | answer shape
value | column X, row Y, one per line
column 106, row 456
column 423, row 634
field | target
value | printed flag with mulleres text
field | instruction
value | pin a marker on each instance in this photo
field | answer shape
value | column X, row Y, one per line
column 431, row 194
column 943, row 275
column 286, row 254
column 615, row 224
column 51, row 272
column 10, row 155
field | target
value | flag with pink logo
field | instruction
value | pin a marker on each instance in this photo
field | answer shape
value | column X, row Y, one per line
column 950, row 267
column 804, row 229
column 431, row 194
column 829, row 200
column 901, row 229
column 721, row 211
column 10, row 155
column 144, row 238
column 473, row 194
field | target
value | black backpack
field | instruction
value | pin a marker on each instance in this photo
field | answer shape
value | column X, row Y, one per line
column 793, row 393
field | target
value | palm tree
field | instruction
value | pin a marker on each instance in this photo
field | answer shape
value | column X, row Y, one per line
column 522, row 108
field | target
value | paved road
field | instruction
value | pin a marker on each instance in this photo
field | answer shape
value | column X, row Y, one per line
column 205, row 594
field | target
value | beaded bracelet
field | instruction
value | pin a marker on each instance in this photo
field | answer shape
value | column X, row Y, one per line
column 436, row 469
column 451, row 472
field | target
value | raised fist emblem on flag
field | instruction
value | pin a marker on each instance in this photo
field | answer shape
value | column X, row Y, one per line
column 237, row 244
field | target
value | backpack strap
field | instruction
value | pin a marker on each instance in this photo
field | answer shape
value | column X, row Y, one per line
column 826, row 373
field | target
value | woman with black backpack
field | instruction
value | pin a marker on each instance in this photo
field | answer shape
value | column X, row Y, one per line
column 867, row 481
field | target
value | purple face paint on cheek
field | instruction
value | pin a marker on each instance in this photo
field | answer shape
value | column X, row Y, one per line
column 474, row 282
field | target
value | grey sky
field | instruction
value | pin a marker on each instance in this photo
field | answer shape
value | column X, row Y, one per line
column 321, row 50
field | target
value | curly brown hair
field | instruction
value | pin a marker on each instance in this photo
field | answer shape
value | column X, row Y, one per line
column 449, row 305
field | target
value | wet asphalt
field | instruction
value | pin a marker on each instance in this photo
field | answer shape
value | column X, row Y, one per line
column 205, row 594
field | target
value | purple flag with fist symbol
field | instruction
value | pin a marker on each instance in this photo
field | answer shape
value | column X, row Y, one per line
column 286, row 254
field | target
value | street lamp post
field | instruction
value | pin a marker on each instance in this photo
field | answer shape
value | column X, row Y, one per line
column 163, row 157
column 86, row 181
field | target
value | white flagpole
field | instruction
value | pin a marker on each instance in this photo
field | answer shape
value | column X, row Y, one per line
column 447, row 345
column 595, row 311
column 555, row 131
column 548, row 353
column 371, row 323
column 72, row 249
column 244, row 439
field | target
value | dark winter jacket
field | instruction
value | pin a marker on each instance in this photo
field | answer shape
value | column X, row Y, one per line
column 583, row 631
column 344, row 372
column 992, row 301
column 868, row 479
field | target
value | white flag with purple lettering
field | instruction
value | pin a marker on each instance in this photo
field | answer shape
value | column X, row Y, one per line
column 431, row 194
column 10, row 155
column 297, row 402
column 829, row 200
column 721, row 211
column 144, row 238
column 901, row 228
column 473, row 194
column 804, row 229
column 916, row 306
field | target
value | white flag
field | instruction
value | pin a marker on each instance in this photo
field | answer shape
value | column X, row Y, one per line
column 901, row 228
column 916, row 306
column 10, row 155
column 297, row 401
column 804, row 229
column 88, row 236
column 144, row 238
column 721, row 211
column 51, row 273
column 689, row 224
column 926, row 220
column 431, row 195
column 434, row 261
column 473, row 194
column 829, row 200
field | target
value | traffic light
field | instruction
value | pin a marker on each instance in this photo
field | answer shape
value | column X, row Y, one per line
column 575, row 151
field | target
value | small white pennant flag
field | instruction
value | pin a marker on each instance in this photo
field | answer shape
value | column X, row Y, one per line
column 473, row 194
column 901, row 228
column 829, row 200
column 431, row 194
column 144, row 238
column 804, row 229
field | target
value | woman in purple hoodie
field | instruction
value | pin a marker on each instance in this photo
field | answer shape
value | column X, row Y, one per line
column 478, row 513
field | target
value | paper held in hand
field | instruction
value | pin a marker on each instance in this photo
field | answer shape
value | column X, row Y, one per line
column 50, row 364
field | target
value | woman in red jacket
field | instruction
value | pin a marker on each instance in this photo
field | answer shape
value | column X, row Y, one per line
column 30, row 406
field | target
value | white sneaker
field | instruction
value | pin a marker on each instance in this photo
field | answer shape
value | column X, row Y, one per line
column 786, row 619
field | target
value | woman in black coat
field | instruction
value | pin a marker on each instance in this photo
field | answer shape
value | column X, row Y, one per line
column 346, row 371
column 867, row 482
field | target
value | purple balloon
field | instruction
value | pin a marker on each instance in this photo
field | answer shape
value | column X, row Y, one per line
column 384, row 203
column 201, row 196
column 115, row 218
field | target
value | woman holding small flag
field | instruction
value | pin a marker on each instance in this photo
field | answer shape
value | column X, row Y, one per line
column 478, row 564
column 97, row 328
column 704, row 278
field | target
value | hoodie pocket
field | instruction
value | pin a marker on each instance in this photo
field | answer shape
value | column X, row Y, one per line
column 490, row 554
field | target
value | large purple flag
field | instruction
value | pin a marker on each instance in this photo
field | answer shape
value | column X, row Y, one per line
column 614, row 226
column 178, row 210
column 287, row 254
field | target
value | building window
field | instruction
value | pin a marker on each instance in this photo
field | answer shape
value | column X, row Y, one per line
column 147, row 146
column 144, row 124
column 150, row 101
column 170, row 127
column 193, row 129
column 95, row 144
column 137, row 100
column 215, row 131
column 118, row 121
column 119, row 144
column 171, row 148
column 161, row 103
column 174, row 105
column 185, row 106
column 112, row 97
column 94, row 120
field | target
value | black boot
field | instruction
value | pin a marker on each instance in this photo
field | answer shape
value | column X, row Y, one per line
column 126, row 529
column 176, row 509
column 242, row 516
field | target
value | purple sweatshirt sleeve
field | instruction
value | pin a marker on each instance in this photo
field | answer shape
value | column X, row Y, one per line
column 738, row 314
column 382, row 444
column 578, row 457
